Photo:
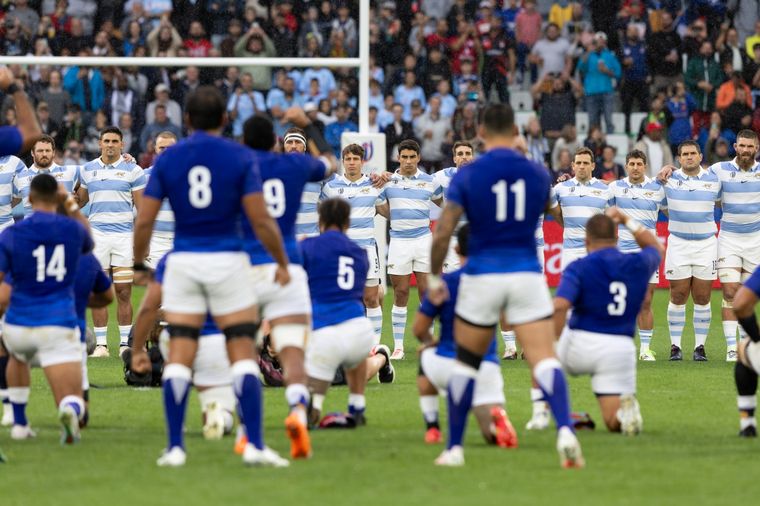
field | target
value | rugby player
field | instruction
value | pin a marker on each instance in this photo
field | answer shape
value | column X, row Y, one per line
column 162, row 239
column 747, row 366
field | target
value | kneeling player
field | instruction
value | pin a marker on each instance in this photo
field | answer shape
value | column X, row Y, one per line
column 748, row 365
column 605, row 291
column 343, row 336
column 438, row 359
column 41, row 253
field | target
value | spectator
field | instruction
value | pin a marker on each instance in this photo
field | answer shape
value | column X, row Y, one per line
column 599, row 67
column 341, row 124
column 128, row 137
column 137, row 82
column 564, row 165
column 551, row 54
column 136, row 14
column 324, row 77
column 727, row 92
column 188, row 84
column 595, row 141
column 635, row 75
column 499, row 61
column 27, row 18
column 410, row 64
column 737, row 115
column 160, row 124
column 244, row 103
column 222, row 13
column 284, row 38
column 335, row 47
column 715, row 131
column 47, row 125
column 325, row 112
column 102, row 45
column 509, row 15
column 227, row 45
column 448, row 101
column 56, row 98
column 432, row 129
column 173, row 110
column 346, row 24
column 745, row 14
column 73, row 154
column 311, row 110
column 555, row 97
column 752, row 70
column 395, row 132
column 134, row 38
column 157, row 10
column 695, row 36
column 164, row 38
column 280, row 99
column 407, row 92
column 465, row 124
column 703, row 76
column 657, row 114
column 197, row 44
column 664, row 53
column 465, row 47
column 680, row 106
column 310, row 29
column 256, row 44
column 376, row 96
column 560, row 13
column 732, row 55
column 73, row 128
column 14, row 43
column 92, row 134
column 527, row 32
column 538, row 147
column 569, row 141
column 122, row 100
column 436, row 70
column 441, row 38
column 607, row 169
column 749, row 42
column 83, row 11
column 385, row 115
column 86, row 87
column 717, row 150
column 654, row 146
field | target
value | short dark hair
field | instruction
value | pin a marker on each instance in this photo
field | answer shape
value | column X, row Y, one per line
column 747, row 134
column 600, row 227
column 583, row 150
column 43, row 187
column 112, row 130
column 499, row 119
column 205, row 108
column 688, row 143
column 638, row 154
column 462, row 144
column 335, row 212
column 258, row 133
column 463, row 238
column 166, row 134
column 353, row 149
column 409, row 145
column 159, row 106
column 45, row 139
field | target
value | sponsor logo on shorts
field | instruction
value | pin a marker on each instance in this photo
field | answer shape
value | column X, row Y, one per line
column 391, row 266
column 669, row 271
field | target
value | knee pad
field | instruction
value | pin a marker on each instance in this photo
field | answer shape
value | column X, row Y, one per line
column 289, row 335
column 123, row 275
column 184, row 331
column 371, row 283
column 241, row 330
column 726, row 304
column 467, row 357
column 244, row 367
column 177, row 371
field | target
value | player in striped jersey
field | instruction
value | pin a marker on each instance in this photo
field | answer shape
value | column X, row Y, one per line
column 307, row 221
column 43, row 152
column 692, row 252
column 363, row 196
column 162, row 240
column 9, row 166
column 575, row 201
column 641, row 198
column 407, row 197
column 113, row 187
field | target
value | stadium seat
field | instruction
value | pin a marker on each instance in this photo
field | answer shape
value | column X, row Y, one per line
column 581, row 123
column 522, row 118
column 521, row 101
column 618, row 122
column 621, row 143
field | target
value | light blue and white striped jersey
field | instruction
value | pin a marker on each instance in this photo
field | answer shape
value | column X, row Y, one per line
column 642, row 202
column 307, row 221
column 363, row 198
column 443, row 178
column 164, row 224
column 408, row 198
column 579, row 202
column 110, row 190
column 691, row 204
column 9, row 167
column 67, row 175
column 741, row 197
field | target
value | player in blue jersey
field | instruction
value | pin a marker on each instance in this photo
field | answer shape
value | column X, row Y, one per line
column 15, row 139
column 113, row 186
column 437, row 359
column 162, row 239
column 286, row 308
column 41, row 254
column 211, row 367
column 343, row 336
column 605, row 291
column 503, row 194
column 748, row 364
column 210, row 182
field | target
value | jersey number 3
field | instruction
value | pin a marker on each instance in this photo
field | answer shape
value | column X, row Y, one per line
column 56, row 267
column 500, row 189
column 619, row 293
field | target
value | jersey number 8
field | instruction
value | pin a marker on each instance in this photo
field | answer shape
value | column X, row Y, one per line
column 199, row 179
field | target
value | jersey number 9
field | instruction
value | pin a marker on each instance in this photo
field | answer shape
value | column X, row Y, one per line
column 274, row 196
column 199, row 179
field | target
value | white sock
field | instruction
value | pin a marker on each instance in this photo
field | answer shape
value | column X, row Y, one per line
column 101, row 336
column 124, row 331
column 375, row 315
column 676, row 322
column 317, row 401
column 297, row 397
column 509, row 338
column 645, row 337
column 398, row 319
column 429, row 408
column 702, row 317
column 729, row 331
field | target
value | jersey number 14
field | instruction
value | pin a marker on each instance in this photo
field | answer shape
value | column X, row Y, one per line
column 55, row 268
column 518, row 189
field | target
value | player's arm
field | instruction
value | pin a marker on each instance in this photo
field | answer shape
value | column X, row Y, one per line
column 82, row 196
column 137, row 198
column 26, row 119
column 146, row 317
column 146, row 217
column 441, row 237
column 421, row 329
column 438, row 201
column 555, row 211
column 384, row 210
column 644, row 238
column 5, row 296
column 561, row 307
column 71, row 207
column 101, row 299
column 298, row 117
column 267, row 231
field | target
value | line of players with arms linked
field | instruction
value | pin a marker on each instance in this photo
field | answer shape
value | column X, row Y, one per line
column 504, row 224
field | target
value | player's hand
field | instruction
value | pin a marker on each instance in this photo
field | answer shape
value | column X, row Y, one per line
column 128, row 158
column 617, row 215
column 296, row 116
column 563, row 177
column 379, row 179
column 140, row 363
column 6, row 78
column 424, row 346
column 665, row 172
column 281, row 275
column 437, row 291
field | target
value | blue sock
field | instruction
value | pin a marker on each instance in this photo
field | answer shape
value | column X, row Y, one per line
column 550, row 378
column 19, row 397
column 356, row 404
column 176, row 386
column 245, row 374
column 459, row 400
column 19, row 414
column 75, row 403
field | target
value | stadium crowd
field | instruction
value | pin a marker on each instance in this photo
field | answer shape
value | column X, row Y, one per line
column 692, row 66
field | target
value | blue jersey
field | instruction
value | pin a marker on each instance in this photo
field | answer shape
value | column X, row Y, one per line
column 606, row 289
column 445, row 312
column 90, row 279
column 10, row 140
column 753, row 283
column 209, row 327
column 283, row 180
column 337, row 269
column 42, row 254
column 205, row 178
column 503, row 195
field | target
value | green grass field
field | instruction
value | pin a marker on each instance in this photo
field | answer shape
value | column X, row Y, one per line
column 689, row 452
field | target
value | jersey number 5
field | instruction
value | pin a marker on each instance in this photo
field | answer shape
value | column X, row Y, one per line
column 199, row 179
column 56, row 267
column 345, row 273
column 500, row 189
column 619, row 293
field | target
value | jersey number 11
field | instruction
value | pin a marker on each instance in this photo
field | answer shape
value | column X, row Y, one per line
column 518, row 189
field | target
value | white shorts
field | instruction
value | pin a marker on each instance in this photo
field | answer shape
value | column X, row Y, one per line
column 489, row 385
column 113, row 250
column 685, row 259
column 541, row 258
column 409, row 255
column 211, row 367
column 570, row 255
column 51, row 344
column 373, row 274
column 160, row 245
column 276, row 300
column 345, row 344
column 610, row 360
column 738, row 251
column 451, row 263
column 85, row 378
column 522, row 297
column 197, row 283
